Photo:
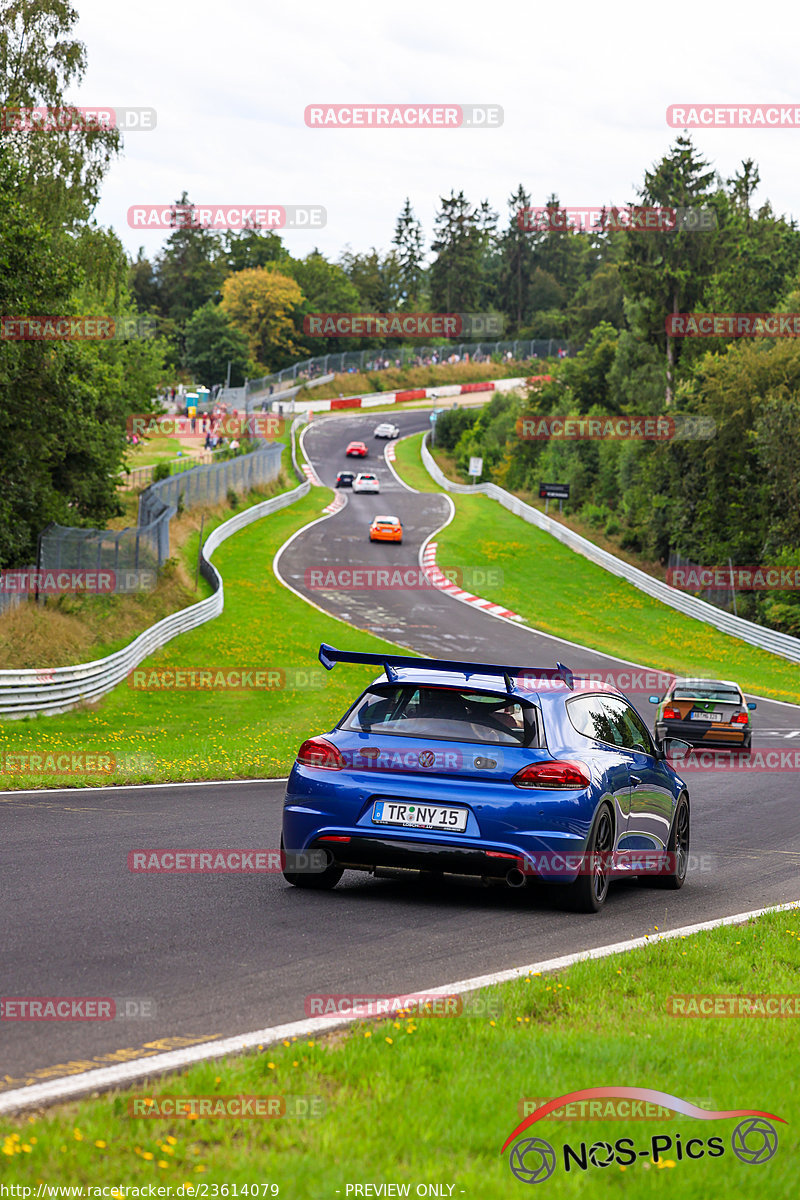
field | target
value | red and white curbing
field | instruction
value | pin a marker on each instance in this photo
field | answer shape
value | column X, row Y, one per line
column 337, row 503
column 388, row 453
column 311, row 474
column 442, row 391
column 440, row 580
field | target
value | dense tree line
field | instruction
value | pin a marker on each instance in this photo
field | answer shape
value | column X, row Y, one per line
column 63, row 403
column 731, row 494
column 238, row 300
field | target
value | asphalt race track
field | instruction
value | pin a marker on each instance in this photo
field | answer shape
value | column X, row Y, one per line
column 217, row 955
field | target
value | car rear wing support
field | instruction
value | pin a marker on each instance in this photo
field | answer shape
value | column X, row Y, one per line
column 329, row 656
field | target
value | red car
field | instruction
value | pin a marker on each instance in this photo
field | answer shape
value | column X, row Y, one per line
column 356, row 450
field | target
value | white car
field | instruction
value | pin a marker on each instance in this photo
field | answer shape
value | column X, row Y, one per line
column 386, row 430
column 365, row 482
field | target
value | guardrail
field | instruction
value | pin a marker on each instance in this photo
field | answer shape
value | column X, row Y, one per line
column 782, row 644
column 58, row 689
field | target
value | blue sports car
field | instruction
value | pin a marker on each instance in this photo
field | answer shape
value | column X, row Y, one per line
column 500, row 772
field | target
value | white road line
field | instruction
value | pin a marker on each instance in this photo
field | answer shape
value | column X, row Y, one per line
column 132, row 787
column 69, row 1086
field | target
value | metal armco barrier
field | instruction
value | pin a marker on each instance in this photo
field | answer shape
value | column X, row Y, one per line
column 782, row 644
column 58, row 689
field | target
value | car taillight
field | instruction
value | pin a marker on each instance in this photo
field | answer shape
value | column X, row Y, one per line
column 553, row 774
column 671, row 714
column 320, row 753
column 740, row 718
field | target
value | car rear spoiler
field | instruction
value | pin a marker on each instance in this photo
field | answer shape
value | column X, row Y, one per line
column 329, row 656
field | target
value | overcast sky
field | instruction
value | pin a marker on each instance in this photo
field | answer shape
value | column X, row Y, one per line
column 584, row 88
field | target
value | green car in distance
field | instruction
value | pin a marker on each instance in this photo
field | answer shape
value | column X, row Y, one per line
column 705, row 711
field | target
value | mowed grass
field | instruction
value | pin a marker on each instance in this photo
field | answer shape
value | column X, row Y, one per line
column 427, row 1100
column 154, row 448
column 212, row 732
column 562, row 593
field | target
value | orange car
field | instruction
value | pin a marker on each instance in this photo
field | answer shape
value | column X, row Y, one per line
column 386, row 529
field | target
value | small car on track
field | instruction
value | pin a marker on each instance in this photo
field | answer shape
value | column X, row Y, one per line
column 365, row 481
column 386, row 430
column 498, row 772
column 707, row 711
column 386, row 529
column 356, row 450
column 345, row 479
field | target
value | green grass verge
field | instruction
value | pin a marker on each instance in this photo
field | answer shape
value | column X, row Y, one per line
column 432, row 1100
column 213, row 734
column 562, row 593
column 154, row 449
column 409, row 464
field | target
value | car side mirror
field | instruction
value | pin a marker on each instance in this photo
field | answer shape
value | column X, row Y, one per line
column 676, row 747
column 751, row 704
column 654, row 699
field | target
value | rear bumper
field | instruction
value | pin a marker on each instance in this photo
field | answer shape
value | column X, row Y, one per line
column 697, row 734
column 369, row 853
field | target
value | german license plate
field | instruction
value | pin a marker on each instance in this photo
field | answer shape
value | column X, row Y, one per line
column 419, row 816
column 717, row 718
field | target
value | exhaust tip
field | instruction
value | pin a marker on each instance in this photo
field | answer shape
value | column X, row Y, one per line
column 515, row 878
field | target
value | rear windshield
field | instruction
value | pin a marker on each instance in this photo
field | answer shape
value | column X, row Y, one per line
column 465, row 716
column 708, row 691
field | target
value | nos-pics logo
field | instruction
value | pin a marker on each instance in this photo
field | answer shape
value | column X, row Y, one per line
column 753, row 1141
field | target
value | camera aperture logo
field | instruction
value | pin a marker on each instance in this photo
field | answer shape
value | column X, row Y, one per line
column 754, row 1140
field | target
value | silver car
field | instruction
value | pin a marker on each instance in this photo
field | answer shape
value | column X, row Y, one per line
column 366, row 482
